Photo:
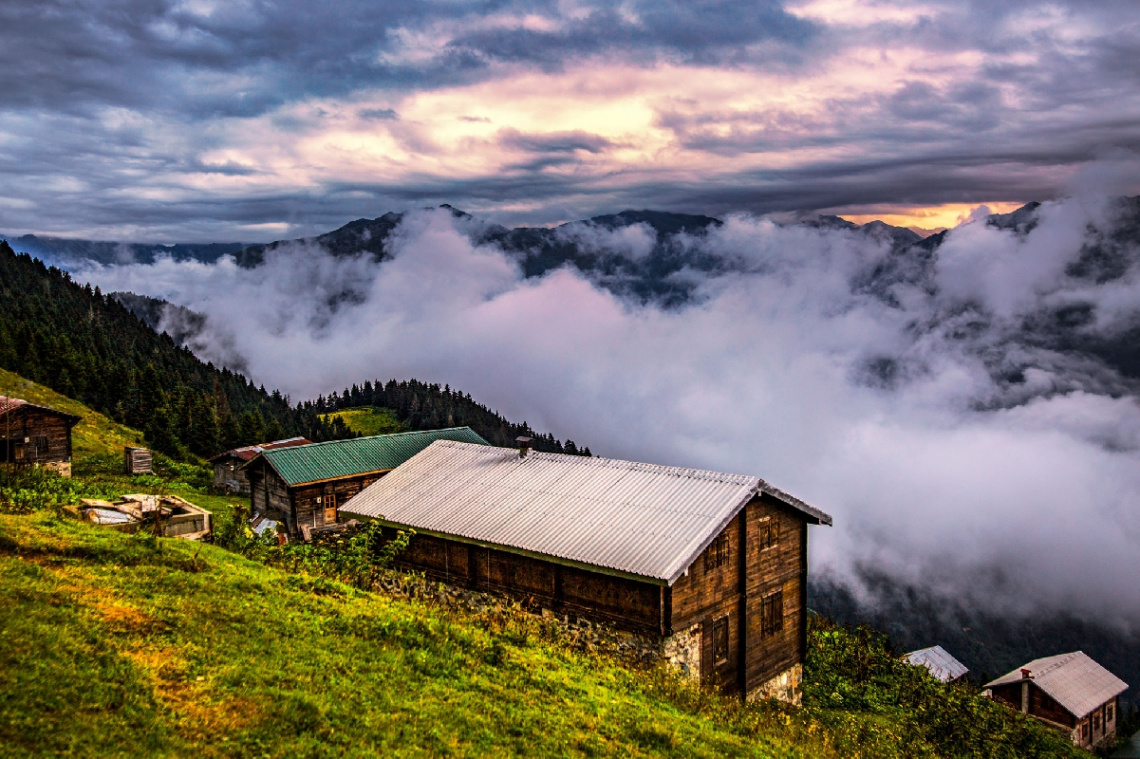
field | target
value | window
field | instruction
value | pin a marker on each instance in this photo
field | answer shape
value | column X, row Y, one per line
column 720, row 640
column 772, row 613
column 1085, row 730
column 769, row 533
column 1108, row 713
column 1096, row 722
column 717, row 554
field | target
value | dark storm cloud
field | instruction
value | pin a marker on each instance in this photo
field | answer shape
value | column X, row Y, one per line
column 122, row 115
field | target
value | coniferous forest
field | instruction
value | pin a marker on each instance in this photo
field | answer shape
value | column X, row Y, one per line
column 89, row 346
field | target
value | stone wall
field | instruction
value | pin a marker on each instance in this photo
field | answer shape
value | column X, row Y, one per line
column 683, row 651
column 786, row 686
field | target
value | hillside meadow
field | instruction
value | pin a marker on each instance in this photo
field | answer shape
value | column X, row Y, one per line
column 132, row 645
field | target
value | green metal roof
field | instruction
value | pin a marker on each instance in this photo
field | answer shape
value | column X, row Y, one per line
column 345, row 458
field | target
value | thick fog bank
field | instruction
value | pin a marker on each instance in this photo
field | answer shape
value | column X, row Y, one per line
column 966, row 414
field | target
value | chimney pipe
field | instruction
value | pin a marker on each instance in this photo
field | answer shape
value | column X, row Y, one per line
column 524, row 445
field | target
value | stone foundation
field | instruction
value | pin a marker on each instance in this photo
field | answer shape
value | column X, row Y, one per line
column 62, row 467
column 786, row 686
column 683, row 651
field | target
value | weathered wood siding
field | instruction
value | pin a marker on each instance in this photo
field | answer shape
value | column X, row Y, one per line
column 229, row 477
column 297, row 506
column 35, row 436
column 780, row 567
column 712, row 591
column 622, row 602
column 736, row 590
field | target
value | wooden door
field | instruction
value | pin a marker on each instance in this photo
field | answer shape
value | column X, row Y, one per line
column 329, row 503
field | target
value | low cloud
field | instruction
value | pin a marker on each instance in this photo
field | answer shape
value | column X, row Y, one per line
column 884, row 404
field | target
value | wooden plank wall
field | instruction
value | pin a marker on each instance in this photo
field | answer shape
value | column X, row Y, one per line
column 48, row 436
column 707, row 594
column 624, row 603
column 780, row 567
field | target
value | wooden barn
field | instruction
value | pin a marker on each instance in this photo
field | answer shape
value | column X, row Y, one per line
column 1070, row 692
column 712, row 565
column 229, row 477
column 35, row 435
column 302, row 487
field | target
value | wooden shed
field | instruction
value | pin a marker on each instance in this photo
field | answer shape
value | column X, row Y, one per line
column 712, row 565
column 304, row 486
column 229, row 477
column 1070, row 692
column 35, row 435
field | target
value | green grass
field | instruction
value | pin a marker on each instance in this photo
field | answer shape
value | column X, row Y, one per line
column 117, row 645
column 367, row 420
column 96, row 435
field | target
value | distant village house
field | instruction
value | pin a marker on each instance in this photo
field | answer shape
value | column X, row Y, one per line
column 938, row 661
column 303, row 487
column 713, row 566
column 229, row 477
column 35, row 435
column 1070, row 692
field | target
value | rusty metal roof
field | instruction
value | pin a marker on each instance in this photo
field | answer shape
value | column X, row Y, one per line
column 317, row 462
column 1073, row 680
column 642, row 520
column 11, row 404
column 939, row 661
column 247, row 452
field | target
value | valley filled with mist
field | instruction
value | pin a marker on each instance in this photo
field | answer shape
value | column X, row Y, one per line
column 964, row 404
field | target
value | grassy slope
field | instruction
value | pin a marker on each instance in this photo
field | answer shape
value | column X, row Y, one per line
column 116, row 645
column 367, row 420
column 123, row 645
column 95, row 435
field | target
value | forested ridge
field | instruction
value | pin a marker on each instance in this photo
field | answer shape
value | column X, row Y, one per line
column 423, row 406
column 88, row 346
column 91, row 347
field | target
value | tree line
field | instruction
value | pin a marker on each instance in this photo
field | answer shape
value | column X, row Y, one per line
column 425, row 406
column 85, row 345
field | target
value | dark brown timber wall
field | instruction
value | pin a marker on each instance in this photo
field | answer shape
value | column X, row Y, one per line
column 767, row 562
column 622, row 602
column 312, row 505
column 34, row 436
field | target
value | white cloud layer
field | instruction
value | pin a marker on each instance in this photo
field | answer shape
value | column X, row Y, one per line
column 1022, row 496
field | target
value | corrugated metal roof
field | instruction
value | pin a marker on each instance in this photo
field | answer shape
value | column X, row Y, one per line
column 940, row 663
column 639, row 519
column 1073, row 680
column 315, row 462
column 247, row 452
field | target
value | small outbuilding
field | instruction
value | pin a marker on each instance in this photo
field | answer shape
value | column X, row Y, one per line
column 304, row 486
column 229, row 477
column 1070, row 692
column 938, row 660
column 712, row 566
column 35, row 435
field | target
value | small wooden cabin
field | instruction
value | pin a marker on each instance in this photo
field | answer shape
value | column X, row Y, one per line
column 712, row 565
column 305, row 485
column 35, row 435
column 1069, row 692
column 229, row 477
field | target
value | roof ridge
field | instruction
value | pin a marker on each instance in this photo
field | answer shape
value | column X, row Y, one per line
column 369, row 437
column 679, row 471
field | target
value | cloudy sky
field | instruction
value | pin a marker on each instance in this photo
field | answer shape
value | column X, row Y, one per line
column 250, row 120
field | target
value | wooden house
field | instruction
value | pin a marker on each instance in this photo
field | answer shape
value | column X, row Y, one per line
column 711, row 565
column 229, row 477
column 1070, row 692
column 35, row 435
column 302, row 487
column 137, row 460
